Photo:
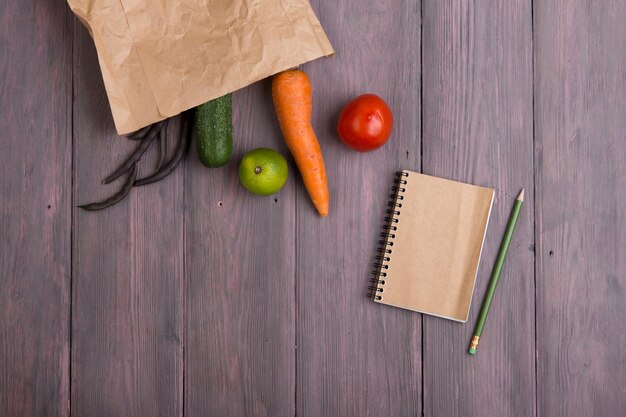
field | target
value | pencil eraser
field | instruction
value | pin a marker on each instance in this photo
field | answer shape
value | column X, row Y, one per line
column 471, row 351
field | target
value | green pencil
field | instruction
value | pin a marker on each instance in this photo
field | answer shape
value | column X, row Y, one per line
column 495, row 274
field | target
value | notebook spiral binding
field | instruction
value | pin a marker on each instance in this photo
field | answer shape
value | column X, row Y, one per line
column 385, row 249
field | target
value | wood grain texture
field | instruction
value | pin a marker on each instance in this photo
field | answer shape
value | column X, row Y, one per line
column 128, row 268
column 255, row 305
column 580, row 99
column 477, row 75
column 355, row 357
column 240, row 254
column 35, row 200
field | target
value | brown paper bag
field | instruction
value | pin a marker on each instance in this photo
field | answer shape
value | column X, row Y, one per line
column 161, row 57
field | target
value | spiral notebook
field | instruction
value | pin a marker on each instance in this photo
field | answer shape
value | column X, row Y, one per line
column 430, row 251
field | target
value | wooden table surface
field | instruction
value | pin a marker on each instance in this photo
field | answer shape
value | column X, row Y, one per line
column 194, row 298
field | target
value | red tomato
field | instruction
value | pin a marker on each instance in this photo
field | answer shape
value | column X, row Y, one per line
column 365, row 123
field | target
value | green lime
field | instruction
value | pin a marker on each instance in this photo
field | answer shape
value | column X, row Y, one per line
column 263, row 171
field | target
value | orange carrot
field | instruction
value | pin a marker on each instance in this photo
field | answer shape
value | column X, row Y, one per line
column 292, row 95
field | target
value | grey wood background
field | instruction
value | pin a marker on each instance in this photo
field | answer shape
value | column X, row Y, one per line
column 195, row 298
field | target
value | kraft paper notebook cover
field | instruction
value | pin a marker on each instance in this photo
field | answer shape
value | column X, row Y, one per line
column 431, row 246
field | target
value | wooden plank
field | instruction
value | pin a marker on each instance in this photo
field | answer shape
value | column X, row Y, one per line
column 240, row 250
column 478, row 128
column 128, row 268
column 35, row 201
column 355, row 357
column 580, row 97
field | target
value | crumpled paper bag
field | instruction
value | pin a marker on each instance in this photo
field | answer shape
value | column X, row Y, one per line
column 161, row 57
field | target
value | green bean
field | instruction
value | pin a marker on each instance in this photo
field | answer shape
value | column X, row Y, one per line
column 135, row 156
column 170, row 165
column 162, row 148
column 117, row 197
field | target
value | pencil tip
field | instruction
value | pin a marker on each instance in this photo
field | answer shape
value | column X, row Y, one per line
column 520, row 197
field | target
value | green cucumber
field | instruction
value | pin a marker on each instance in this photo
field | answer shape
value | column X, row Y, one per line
column 214, row 131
